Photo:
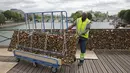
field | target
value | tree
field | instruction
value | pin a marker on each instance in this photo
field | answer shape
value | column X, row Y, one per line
column 121, row 14
column 8, row 14
column 2, row 19
column 76, row 15
column 17, row 17
column 127, row 16
column 14, row 16
column 89, row 15
column 37, row 17
column 97, row 14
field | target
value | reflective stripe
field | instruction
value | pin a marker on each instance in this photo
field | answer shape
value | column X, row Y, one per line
column 82, row 56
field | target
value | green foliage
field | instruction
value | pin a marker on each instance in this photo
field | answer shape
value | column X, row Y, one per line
column 121, row 14
column 30, row 17
column 16, row 17
column 2, row 19
column 89, row 15
column 37, row 17
column 127, row 16
column 76, row 15
column 100, row 15
column 10, row 15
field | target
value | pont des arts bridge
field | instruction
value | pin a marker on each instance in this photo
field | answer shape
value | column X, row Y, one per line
column 102, row 38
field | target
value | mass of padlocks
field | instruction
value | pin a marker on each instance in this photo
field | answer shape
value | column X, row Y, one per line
column 38, row 41
column 98, row 39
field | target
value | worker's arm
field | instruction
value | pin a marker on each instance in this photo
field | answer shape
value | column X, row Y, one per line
column 70, row 27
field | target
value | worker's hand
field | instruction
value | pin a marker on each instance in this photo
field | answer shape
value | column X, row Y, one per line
column 65, row 30
column 69, row 31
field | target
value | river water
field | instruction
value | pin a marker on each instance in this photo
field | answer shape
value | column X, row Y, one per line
column 94, row 25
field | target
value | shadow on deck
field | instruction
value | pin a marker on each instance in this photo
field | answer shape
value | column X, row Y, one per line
column 108, row 62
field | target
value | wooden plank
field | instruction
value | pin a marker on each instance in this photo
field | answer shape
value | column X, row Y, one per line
column 85, row 68
column 48, row 70
column 22, row 66
column 121, row 62
column 97, row 66
column 127, row 60
column 31, row 69
column 15, row 68
column 109, row 64
column 67, row 69
column 93, row 66
column 36, row 69
column 28, row 68
column 81, row 68
column 89, row 67
column 61, row 69
column 117, row 64
column 113, row 64
column 40, row 69
column 44, row 69
column 100, row 63
column 105, row 64
column 126, row 56
column 76, row 67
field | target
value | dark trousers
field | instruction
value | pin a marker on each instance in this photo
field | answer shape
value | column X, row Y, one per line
column 83, row 44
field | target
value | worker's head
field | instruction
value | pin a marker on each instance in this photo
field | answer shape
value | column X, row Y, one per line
column 84, row 16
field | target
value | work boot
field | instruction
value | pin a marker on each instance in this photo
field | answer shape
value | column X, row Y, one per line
column 81, row 63
column 81, row 59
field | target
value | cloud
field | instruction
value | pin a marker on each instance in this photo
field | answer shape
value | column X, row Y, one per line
column 112, row 6
column 16, row 1
column 127, row 0
column 7, row 4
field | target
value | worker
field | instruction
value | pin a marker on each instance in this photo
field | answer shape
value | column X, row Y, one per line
column 82, row 31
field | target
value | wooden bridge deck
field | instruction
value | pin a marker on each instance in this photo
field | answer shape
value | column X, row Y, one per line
column 108, row 62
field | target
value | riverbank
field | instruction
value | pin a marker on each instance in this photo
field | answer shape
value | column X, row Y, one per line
column 12, row 25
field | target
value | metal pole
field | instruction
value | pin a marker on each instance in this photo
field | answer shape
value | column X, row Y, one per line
column 28, row 22
column 34, row 20
column 43, row 22
column 52, row 22
column 25, row 18
column 65, row 44
column 62, row 24
column 66, row 21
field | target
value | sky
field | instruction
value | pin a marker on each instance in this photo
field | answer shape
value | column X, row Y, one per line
column 112, row 6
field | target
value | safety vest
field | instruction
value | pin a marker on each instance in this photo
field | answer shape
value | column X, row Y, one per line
column 81, row 27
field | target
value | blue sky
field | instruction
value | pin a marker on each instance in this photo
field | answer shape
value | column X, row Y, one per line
column 112, row 6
